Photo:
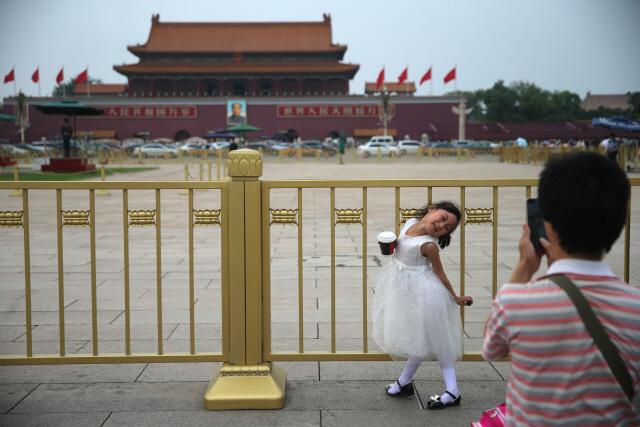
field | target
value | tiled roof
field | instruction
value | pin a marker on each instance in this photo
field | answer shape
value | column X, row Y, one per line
column 593, row 102
column 233, row 67
column 245, row 37
column 100, row 89
column 391, row 87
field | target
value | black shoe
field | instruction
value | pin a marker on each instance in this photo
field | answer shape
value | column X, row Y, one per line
column 406, row 390
column 436, row 403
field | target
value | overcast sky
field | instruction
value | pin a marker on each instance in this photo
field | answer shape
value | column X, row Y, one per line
column 575, row 45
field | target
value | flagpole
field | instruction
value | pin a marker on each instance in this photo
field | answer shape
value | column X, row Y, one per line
column 455, row 83
column 14, row 79
column 431, row 68
column 39, row 92
column 88, row 84
column 407, row 81
column 64, row 92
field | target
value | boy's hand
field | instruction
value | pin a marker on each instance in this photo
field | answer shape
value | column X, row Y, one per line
column 529, row 261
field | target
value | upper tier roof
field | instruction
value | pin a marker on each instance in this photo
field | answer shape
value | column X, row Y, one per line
column 245, row 37
column 236, row 68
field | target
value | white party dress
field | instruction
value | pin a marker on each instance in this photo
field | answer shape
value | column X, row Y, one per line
column 413, row 312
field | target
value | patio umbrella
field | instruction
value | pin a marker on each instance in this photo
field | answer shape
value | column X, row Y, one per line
column 221, row 135
column 243, row 129
column 617, row 123
column 7, row 118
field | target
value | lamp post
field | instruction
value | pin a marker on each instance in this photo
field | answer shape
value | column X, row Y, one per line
column 385, row 107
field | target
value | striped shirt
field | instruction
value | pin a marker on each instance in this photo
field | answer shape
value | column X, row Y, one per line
column 558, row 375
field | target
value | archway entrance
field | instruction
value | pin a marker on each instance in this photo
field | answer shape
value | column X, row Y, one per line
column 181, row 135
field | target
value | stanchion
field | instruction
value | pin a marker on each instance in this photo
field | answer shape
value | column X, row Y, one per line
column 218, row 170
column 157, row 164
column 466, row 152
column 299, row 154
column 185, row 192
column 140, row 162
column 317, row 155
column 379, row 155
column 431, row 154
column 102, row 192
column 191, row 154
column 180, row 155
column 419, row 155
column 120, row 158
column 393, row 156
column 209, row 163
column 534, row 159
column 280, row 156
column 458, row 154
column 340, row 158
column 16, row 178
column 355, row 155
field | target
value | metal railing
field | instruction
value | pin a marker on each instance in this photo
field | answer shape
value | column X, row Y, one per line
column 246, row 215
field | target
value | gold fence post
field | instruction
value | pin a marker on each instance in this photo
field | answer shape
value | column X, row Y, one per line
column 246, row 381
column 379, row 155
column 16, row 178
column 419, row 155
column 140, row 156
column 102, row 192
column 458, row 154
column 431, row 154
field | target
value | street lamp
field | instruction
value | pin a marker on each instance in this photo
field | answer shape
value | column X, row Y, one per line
column 385, row 106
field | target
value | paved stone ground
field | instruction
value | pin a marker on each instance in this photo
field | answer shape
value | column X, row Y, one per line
column 318, row 393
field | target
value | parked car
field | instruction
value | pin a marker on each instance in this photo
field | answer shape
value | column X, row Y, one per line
column 382, row 139
column 408, row 147
column 152, row 150
column 258, row 146
column 463, row 143
column 224, row 145
column 479, row 144
column 318, row 145
column 441, row 145
column 132, row 149
column 371, row 149
column 186, row 148
column 37, row 151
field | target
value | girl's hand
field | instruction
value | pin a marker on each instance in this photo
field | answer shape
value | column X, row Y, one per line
column 464, row 300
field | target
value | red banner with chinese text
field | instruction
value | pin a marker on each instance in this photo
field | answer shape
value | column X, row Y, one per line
column 329, row 111
column 149, row 112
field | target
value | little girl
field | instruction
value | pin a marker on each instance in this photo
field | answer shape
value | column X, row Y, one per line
column 415, row 313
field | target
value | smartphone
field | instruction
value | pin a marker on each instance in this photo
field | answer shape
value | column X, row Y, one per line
column 536, row 223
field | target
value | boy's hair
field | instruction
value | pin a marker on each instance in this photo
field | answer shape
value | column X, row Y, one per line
column 585, row 197
column 452, row 208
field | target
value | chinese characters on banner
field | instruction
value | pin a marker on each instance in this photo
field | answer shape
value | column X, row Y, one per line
column 326, row 111
column 157, row 112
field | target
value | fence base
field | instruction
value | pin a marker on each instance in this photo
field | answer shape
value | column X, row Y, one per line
column 246, row 387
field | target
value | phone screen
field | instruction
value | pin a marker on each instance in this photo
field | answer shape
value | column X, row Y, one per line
column 536, row 223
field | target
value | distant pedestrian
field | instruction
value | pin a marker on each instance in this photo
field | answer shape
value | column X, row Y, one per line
column 342, row 141
column 67, row 132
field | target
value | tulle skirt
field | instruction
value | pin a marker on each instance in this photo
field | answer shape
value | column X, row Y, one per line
column 415, row 315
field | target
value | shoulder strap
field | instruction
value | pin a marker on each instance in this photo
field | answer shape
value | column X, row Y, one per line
column 599, row 335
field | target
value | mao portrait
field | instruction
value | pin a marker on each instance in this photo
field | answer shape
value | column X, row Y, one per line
column 236, row 112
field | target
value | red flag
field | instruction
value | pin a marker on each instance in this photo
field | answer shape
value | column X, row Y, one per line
column 404, row 76
column 380, row 79
column 36, row 76
column 9, row 77
column 60, row 77
column 82, row 77
column 426, row 76
column 450, row 76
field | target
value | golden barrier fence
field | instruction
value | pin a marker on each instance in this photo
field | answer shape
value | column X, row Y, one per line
column 151, row 216
column 246, row 215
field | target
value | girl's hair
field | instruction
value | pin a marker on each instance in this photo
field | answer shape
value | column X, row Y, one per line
column 452, row 208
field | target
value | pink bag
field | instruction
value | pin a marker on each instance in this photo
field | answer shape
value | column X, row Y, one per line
column 493, row 417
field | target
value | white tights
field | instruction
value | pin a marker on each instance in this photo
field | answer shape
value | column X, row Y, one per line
column 413, row 363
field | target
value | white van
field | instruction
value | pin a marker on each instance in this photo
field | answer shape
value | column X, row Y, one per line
column 382, row 139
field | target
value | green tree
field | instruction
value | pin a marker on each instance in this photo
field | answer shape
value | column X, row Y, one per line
column 66, row 89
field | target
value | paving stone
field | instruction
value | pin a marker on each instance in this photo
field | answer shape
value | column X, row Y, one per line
column 392, row 417
column 12, row 394
column 390, row 371
column 215, row 418
column 99, row 397
column 70, row 374
column 85, row 419
column 322, row 395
